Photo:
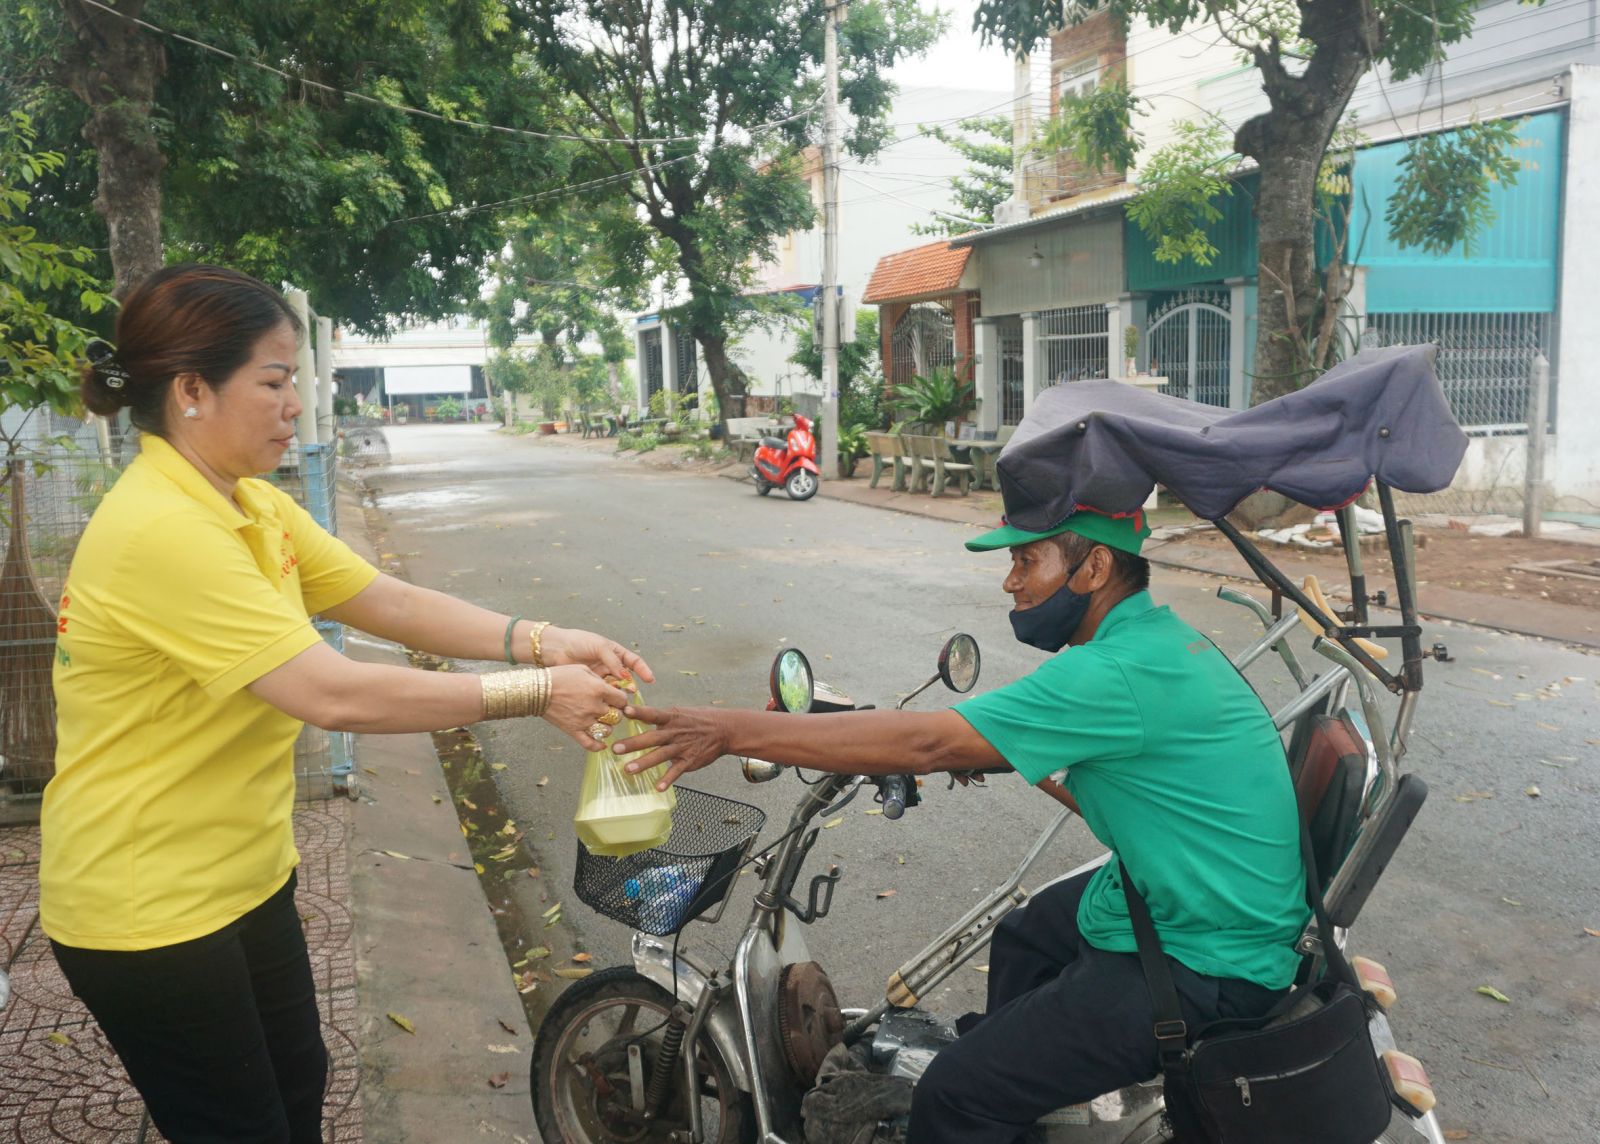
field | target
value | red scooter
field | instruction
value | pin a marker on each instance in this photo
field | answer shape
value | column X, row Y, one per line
column 791, row 463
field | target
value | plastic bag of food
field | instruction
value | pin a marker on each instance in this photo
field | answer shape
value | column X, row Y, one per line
column 620, row 813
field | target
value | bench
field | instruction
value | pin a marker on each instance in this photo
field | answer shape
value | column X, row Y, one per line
column 745, row 433
column 935, row 460
column 888, row 451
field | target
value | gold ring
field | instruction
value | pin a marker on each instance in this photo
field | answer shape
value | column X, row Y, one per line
column 612, row 717
column 599, row 731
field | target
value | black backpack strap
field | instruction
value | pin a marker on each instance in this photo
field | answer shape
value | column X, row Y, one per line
column 1172, row 1033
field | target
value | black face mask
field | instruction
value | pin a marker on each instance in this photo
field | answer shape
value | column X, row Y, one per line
column 1049, row 624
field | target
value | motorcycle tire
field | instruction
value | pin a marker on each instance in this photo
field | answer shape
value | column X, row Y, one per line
column 595, row 1020
column 763, row 487
column 801, row 485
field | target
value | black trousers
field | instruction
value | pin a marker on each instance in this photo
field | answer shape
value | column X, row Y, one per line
column 1065, row 1023
column 220, row 1034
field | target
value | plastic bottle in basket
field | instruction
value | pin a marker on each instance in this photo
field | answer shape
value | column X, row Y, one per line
column 662, row 894
column 618, row 813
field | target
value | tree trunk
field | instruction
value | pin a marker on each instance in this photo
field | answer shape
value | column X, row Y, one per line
column 1289, row 142
column 727, row 379
column 114, row 68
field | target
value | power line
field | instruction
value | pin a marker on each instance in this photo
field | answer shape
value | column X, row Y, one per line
column 407, row 109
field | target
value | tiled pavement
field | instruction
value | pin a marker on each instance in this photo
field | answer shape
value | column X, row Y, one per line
column 60, row 1081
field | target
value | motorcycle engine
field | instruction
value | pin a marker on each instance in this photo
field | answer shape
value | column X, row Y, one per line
column 809, row 1020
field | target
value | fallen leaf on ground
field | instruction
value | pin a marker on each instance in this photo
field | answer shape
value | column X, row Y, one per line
column 396, row 854
column 58, row 1038
column 582, row 957
column 1532, row 792
column 1491, row 992
column 1547, row 726
column 693, row 673
column 573, row 974
column 503, row 1048
column 498, row 1080
column 502, row 855
column 1475, row 796
column 508, row 1027
column 981, row 968
column 1500, row 703
column 478, row 867
column 497, row 766
column 831, row 823
column 533, row 871
column 875, row 810
column 468, row 803
column 403, row 1023
column 1591, row 931
column 555, row 909
column 900, row 858
column 543, row 782
column 1456, row 1134
column 887, row 893
column 672, row 627
column 437, row 800
column 369, row 770
column 509, row 828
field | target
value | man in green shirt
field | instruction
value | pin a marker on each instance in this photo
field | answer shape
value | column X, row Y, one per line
column 1175, row 765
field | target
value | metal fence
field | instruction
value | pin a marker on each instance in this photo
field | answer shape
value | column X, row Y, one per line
column 58, row 490
column 1485, row 364
column 1484, row 361
column 362, row 441
column 1074, row 344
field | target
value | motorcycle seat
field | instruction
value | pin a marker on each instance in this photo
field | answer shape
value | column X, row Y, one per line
column 774, row 443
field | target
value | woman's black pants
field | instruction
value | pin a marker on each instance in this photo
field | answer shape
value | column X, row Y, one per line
column 220, row 1034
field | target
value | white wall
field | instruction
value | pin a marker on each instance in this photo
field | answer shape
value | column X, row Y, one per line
column 458, row 342
column 1574, row 470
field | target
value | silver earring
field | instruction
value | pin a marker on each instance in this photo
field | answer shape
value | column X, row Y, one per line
column 191, row 412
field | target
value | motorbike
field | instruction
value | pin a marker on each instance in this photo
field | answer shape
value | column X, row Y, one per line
column 686, row 1048
column 790, row 462
column 679, row 1048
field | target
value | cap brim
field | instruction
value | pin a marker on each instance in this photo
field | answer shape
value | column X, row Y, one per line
column 1010, row 536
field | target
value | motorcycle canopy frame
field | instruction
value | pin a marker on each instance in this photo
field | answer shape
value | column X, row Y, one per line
column 1378, row 420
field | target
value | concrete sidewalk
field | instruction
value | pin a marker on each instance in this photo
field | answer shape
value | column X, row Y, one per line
column 396, row 923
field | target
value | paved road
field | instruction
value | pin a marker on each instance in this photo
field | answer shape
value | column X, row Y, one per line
column 1494, row 887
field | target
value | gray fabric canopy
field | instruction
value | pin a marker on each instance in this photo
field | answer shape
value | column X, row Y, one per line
column 1104, row 444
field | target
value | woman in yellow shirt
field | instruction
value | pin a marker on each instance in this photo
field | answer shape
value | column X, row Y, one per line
column 186, row 666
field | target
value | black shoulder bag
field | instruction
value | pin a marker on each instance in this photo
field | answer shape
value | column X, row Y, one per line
column 1305, row 1073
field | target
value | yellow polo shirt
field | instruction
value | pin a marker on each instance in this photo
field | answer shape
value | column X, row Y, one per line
column 170, row 812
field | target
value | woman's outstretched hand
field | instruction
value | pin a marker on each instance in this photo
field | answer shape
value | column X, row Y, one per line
column 688, row 737
column 596, row 652
column 578, row 699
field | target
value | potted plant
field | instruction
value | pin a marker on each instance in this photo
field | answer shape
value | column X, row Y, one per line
column 1130, row 349
column 852, row 447
column 934, row 398
column 448, row 410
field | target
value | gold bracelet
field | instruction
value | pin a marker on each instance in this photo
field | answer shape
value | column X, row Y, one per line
column 515, row 694
column 534, row 634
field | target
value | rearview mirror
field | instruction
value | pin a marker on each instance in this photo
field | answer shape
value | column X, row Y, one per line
column 792, row 684
column 960, row 662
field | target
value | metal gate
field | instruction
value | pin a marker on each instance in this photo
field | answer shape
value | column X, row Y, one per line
column 924, row 340
column 1188, row 344
column 688, row 367
column 1011, row 397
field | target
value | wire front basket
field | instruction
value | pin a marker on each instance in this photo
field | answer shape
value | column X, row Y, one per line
column 661, row 890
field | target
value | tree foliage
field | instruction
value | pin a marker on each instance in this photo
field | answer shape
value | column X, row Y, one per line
column 369, row 208
column 40, row 352
column 717, row 102
column 860, row 366
column 986, row 183
column 1179, row 189
column 1442, row 197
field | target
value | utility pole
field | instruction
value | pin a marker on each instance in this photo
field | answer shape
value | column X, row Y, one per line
column 828, row 441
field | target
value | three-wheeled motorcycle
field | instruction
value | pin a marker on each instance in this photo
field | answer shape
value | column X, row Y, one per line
column 683, row 1048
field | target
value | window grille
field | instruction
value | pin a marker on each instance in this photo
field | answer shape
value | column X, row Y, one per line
column 1074, row 344
column 654, row 379
column 1484, row 360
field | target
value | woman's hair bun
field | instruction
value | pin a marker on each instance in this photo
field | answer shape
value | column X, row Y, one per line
column 105, row 379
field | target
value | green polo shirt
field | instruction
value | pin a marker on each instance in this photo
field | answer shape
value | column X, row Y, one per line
column 1178, row 769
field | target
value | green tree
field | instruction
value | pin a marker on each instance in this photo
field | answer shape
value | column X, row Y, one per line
column 40, row 352
column 719, row 100
column 986, row 183
column 860, row 368
column 186, row 153
column 1310, row 57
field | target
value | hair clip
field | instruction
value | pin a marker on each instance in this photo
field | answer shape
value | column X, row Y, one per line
column 104, row 360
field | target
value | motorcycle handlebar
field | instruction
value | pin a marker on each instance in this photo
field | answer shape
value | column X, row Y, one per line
column 894, row 796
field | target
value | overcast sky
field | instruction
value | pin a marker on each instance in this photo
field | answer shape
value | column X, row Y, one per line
column 957, row 60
